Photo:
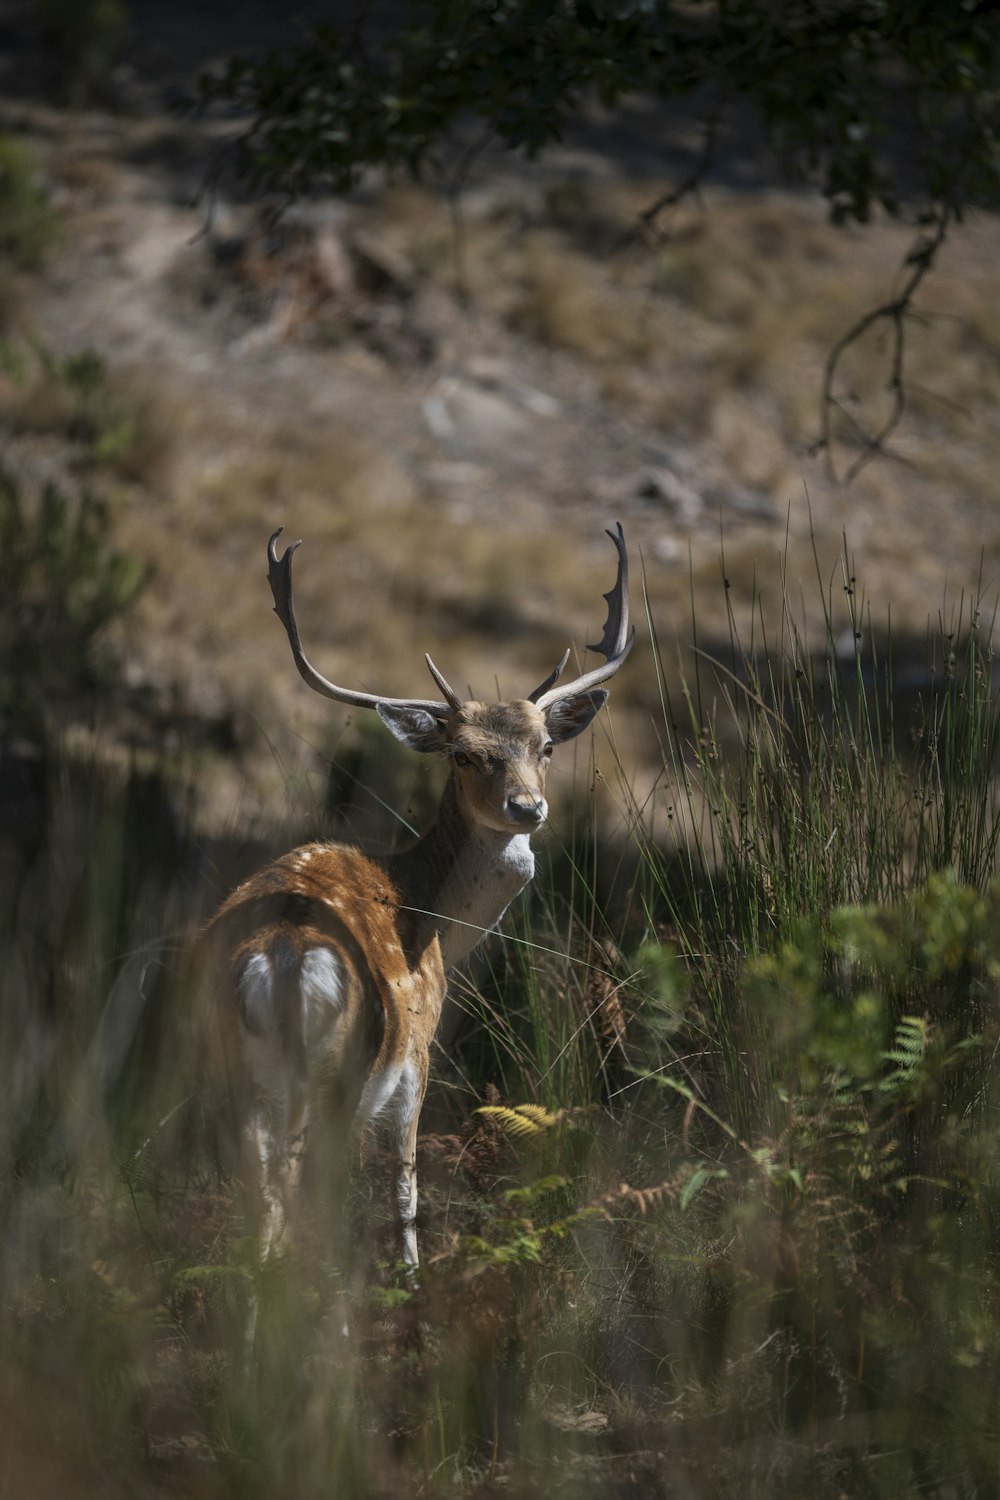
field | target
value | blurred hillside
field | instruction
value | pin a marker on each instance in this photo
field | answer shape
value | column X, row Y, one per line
column 449, row 398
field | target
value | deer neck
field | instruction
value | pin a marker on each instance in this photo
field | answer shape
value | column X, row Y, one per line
column 458, row 880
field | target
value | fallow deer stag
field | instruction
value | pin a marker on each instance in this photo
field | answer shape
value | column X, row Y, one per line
column 337, row 960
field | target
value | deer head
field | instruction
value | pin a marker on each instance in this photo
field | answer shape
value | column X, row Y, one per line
column 499, row 752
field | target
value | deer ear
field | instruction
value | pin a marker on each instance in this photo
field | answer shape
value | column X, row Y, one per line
column 413, row 726
column 568, row 717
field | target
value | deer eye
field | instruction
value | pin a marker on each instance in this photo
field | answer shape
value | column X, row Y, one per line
column 547, row 751
column 461, row 759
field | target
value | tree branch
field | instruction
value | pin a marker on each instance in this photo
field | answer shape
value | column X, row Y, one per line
column 645, row 225
column 895, row 312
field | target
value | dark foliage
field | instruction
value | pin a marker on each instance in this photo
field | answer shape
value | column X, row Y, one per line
column 873, row 99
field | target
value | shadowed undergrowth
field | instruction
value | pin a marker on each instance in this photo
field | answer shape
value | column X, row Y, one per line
column 708, row 1169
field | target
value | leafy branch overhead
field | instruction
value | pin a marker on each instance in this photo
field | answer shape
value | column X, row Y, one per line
column 874, row 100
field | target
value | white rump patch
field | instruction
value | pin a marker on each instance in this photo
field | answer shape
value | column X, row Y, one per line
column 257, row 995
column 322, row 988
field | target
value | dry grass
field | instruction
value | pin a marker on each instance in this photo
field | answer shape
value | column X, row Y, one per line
column 565, row 302
column 385, row 575
column 721, row 333
column 738, row 310
column 775, row 288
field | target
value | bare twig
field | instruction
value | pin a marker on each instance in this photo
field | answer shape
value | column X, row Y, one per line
column 895, row 313
column 645, row 226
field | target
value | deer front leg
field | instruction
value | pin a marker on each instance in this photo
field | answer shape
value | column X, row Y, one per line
column 409, row 1098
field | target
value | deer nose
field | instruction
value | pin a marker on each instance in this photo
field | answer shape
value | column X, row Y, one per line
column 522, row 807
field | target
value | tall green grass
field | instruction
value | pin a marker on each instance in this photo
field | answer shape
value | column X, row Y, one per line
column 800, row 776
column 709, row 1167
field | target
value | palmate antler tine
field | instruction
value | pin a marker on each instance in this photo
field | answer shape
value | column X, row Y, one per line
column 614, row 645
column 279, row 576
column 616, row 639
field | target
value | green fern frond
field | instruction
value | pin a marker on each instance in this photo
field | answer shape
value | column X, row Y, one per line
column 535, row 1190
column 906, row 1055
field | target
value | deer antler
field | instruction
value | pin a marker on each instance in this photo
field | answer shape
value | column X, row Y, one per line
column 454, row 701
column 615, row 644
column 279, row 576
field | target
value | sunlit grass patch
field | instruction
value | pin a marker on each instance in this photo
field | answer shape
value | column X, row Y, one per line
column 562, row 302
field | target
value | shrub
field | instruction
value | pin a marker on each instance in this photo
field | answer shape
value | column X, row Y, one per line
column 28, row 223
column 124, row 426
column 61, row 582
